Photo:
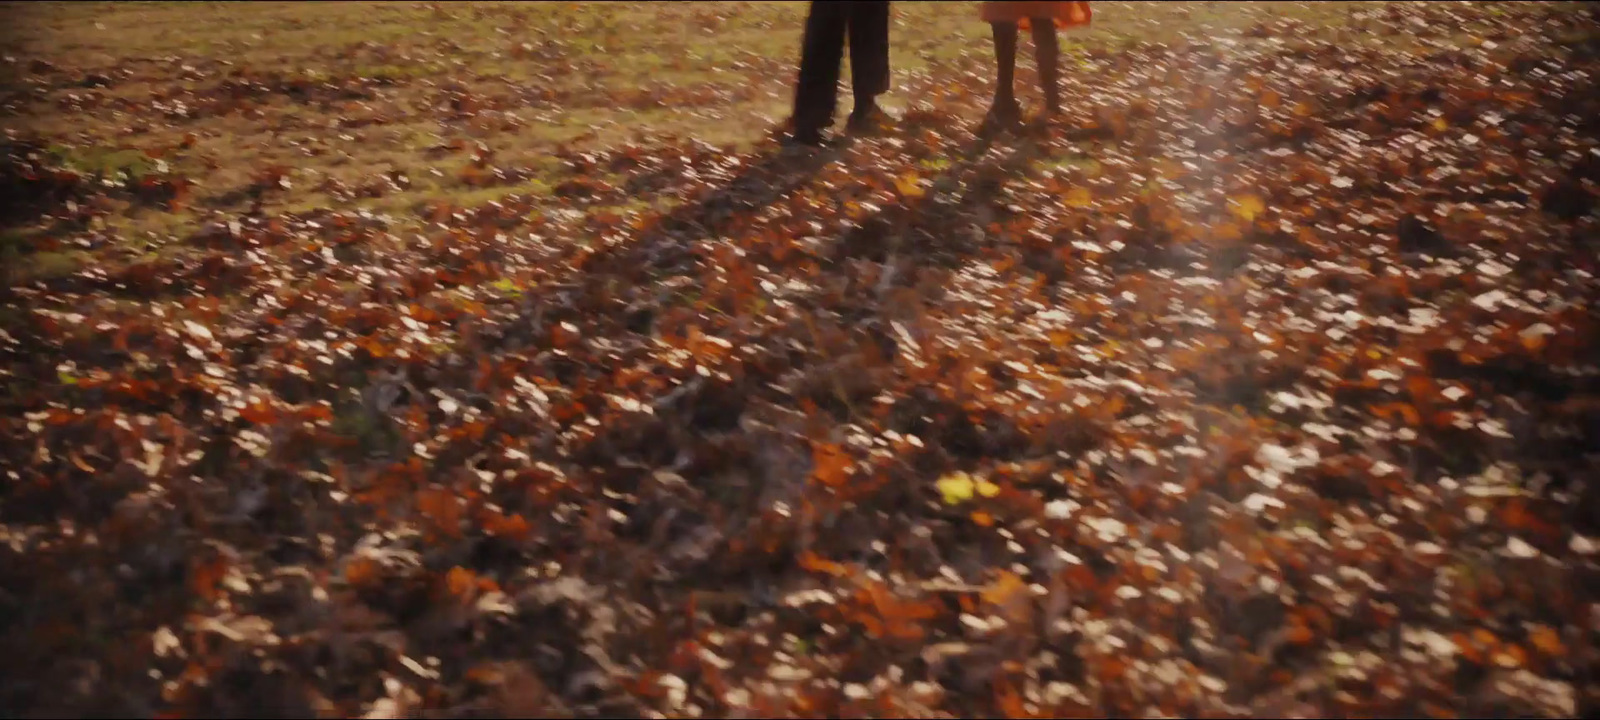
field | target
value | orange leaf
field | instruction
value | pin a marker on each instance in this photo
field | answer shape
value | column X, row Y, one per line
column 511, row 527
column 1422, row 388
column 1112, row 668
column 1435, row 710
column 362, row 572
column 1299, row 634
column 1009, row 595
column 1227, row 232
column 206, row 576
column 1515, row 514
column 1401, row 411
column 460, row 581
column 485, row 374
column 872, row 625
column 1009, row 701
column 1547, row 641
column 1079, row 197
column 830, row 464
column 437, row 503
column 259, row 413
column 1468, row 649
column 905, row 631
column 815, row 563
column 1006, row 586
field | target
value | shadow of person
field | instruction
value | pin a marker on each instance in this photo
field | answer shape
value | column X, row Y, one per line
column 942, row 227
column 946, row 224
column 662, row 245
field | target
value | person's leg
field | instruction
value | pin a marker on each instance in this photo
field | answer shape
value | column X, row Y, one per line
column 821, row 53
column 1005, row 59
column 1004, row 111
column 869, row 58
column 1047, row 54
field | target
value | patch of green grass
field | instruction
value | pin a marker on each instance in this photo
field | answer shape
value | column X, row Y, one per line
column 394, row 73
column 371, row 434
column 151, row 227
column 14, row 243
column 483, row 196
column 104, row 162
column 49, row 265
column 1087, row 164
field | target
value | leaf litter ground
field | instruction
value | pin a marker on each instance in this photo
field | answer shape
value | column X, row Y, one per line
column 1262, row 384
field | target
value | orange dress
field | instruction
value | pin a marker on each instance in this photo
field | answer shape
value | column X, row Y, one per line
column 1064, row 14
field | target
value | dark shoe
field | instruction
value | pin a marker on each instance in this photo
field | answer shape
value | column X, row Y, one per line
column 1041, row 125
column 809, row 137
column 866, row 119
column 1002, row 117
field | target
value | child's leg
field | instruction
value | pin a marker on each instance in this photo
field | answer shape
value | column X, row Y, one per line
column 1005, row 56
column 1004, row 113
column 1047, row 54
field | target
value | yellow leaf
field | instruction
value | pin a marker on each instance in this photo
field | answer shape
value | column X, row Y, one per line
column 1440, row 124
column 987, row 489
column 957, row 488
column 909, row 185
column 1079, row 197
column 1248, row 207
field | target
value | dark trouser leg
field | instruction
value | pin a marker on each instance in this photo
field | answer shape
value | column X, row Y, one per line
column 869, row 50
column 1047, row 54
column 821, row 52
